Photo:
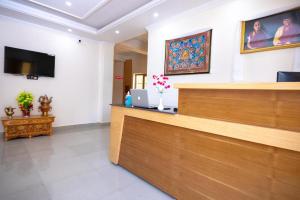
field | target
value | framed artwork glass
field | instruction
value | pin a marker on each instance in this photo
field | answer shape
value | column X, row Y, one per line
column 278, row 31
column 188, row 55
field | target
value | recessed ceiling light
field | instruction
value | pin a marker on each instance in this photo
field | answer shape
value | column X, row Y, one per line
column 68, row 3
column 117, row 32
column 155, row 14
column 70, row 30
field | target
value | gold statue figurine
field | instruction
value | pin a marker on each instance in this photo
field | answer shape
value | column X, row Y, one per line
column 9, row 111
column 45, row 105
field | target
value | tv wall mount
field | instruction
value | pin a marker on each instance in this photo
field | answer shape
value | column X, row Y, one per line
column 32, row 77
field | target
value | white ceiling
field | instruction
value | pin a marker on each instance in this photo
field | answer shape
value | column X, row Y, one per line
column 97, row 19
column 138, row 45
column 78, row 8
column 94, row 13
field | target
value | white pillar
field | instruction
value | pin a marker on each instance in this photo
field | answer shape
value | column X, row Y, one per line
column 105, row 81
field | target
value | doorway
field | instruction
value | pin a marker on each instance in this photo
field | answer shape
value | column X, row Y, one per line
column 130, row 67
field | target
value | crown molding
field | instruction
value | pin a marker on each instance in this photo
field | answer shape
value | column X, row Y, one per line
column 131, row 15
column 46, row 16
column 87, row 14
column 98, row 6
column 43, row 15
column 124, row 46
column 20, row 21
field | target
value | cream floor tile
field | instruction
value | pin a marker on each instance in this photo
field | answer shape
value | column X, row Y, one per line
column 33, row 192
column 137, row 191
column 72, row 164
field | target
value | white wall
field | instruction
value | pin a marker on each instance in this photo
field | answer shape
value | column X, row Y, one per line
column 136, row 43
column 139, row 61
column 227, row 64
column 105, row 81
column 80, row 73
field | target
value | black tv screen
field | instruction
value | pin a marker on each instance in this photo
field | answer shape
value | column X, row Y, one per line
column 24, row 62
column 288, row 76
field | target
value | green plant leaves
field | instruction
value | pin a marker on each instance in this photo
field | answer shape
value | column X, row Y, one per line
column 25, row 99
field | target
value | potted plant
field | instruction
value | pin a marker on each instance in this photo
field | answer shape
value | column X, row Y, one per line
column 161, row 84
column 25, row 100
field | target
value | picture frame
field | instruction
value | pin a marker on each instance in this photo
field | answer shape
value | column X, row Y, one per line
column 277, row 31
column 188, row 55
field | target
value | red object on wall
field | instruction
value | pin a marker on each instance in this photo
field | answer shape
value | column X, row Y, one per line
column 119, row 77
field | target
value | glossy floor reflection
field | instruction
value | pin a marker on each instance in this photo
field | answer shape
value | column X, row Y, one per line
column 72, row 164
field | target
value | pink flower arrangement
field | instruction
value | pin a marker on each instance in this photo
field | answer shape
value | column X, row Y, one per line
column 161, row 83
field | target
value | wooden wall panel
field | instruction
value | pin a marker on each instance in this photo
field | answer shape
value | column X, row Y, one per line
column 287, row 166
column 210, row 187
column 188, row 193
column 282, row 191
column 228, row 151
column 189, row 164
column 241, row 179
column 127, row 81
column 274, row 109
column 148, row 165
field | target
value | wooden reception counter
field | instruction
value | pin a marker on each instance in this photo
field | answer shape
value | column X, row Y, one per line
column 227, row 141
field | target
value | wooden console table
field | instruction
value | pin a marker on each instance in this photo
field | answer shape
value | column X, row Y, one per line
column 27, row 126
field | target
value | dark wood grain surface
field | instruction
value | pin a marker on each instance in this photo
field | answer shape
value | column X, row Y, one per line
column 274, row 109
column 190, row 164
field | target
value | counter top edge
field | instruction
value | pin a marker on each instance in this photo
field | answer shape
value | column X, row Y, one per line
column 240, row 86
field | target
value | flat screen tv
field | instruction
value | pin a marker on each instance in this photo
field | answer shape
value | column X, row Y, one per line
column 288, row 76
column 30, row 63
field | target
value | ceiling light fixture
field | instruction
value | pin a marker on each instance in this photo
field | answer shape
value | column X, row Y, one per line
column 68, row 3
column 70, row 30
column 155, row 15
column 117, row 32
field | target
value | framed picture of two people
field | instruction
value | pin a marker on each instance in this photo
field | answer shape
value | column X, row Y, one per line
column 277, row 31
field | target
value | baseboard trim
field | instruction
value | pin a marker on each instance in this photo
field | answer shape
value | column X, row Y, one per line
column 80, row 127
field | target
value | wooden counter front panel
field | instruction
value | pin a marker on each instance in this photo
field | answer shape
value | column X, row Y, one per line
column 274, row 109
column 189, row 164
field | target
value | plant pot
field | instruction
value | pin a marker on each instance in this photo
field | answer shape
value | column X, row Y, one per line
column 26, row 113
column 160, row 106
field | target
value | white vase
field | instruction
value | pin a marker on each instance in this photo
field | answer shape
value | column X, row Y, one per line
column 160, row 106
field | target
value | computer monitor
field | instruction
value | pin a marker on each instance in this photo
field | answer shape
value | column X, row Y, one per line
column 288, row 76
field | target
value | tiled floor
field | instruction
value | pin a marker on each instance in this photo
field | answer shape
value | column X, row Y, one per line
column 72, row 164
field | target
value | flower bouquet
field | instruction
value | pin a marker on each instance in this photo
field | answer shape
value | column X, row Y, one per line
column 161, row 84
column 24, row 100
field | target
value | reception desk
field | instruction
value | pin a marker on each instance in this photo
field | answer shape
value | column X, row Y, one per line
column 227, row 141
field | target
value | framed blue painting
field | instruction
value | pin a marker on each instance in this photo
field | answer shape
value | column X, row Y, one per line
column 188, row 55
